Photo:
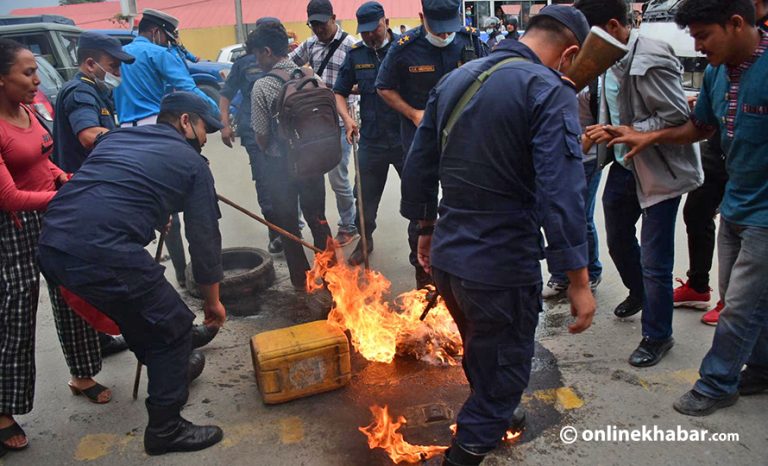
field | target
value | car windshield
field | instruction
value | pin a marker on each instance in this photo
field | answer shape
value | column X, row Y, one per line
column 50, row 79
column 660, row 10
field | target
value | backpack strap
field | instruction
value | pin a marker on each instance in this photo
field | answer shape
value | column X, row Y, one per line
column 458, row 109
column 593, row 102
column 331, row 50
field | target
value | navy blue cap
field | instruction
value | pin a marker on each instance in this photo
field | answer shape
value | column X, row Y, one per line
column 368, row 16
column 110, row 45
column 189, row 102
column 266, row 20
column 442, row 15
column 571, row 18
column 319, row 10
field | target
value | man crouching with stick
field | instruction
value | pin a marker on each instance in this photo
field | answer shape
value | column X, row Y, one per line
column 93, row 239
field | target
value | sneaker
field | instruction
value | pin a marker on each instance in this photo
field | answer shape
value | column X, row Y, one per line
column 593, row 284
column 685, row 296
column 356, row 258
column 710, row 317
column 275, row 245
column 344, row 238
column 553, row 290
column 694, row 403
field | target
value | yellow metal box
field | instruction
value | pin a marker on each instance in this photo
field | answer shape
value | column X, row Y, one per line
column 300, row 361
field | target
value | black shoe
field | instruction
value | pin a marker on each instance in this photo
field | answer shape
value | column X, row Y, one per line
column 694, row 403
column 111, row 345
column 356, row 258
column 423, row 278
column 456, row 455
column 650, row 352
column 167, row 431
column 517, row 423
column 275, row 245
column 752, row 382
column 629, row 307
column 182, row 281
column 202, row 335
column 196, row 364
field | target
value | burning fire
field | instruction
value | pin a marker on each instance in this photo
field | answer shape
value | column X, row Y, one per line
column 510, row 436
column 379, row 330
column 382, row 433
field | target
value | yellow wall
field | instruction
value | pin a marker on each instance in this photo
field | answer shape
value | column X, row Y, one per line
column 206, row 43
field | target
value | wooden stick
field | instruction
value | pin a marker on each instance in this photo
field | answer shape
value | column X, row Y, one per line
column 269, row 225
column 360, row 204
column 137, row 377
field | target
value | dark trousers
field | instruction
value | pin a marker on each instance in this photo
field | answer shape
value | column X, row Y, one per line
column 256, row 159
column 699, row 216
column 287, row 194
column 175, row 246
column 646, row 271
column 497, row 327
column 152, row 317
column 374, row 168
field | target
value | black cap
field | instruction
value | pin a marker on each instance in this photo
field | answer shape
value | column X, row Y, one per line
column 368, row 16
column 571, row 18
column 110, row 45
column 319, row 10
column 189, row 102
column 267, row 20
column 442, row 15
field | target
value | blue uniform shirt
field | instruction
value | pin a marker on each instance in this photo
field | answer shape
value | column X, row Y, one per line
column 145, row 81
column 380, row 124
column 746, row 194
column 413, row 67
column 128, row 186
column 524, row 173
column 81, row 105
column 245, row 71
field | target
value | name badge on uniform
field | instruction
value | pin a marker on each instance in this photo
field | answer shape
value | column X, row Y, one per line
column 422, row 69
column 104, row 112
column 365, row 66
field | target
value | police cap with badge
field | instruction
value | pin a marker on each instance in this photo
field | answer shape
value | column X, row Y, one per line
column 368, row 16
column 442, row 16
column 169, row 24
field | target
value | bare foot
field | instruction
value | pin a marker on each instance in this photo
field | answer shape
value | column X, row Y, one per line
column 17, row 441
column 85, row 384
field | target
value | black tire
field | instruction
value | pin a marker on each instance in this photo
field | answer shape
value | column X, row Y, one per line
column 258, row 274
column 211, row 92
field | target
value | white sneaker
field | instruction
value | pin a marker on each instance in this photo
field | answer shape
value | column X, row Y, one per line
column 553, row 290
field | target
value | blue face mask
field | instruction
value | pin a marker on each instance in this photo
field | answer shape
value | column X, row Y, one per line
column 438, row 41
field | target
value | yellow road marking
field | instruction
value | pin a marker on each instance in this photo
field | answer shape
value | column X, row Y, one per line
column 291, row 430
column 565, row 398
column 95, row 446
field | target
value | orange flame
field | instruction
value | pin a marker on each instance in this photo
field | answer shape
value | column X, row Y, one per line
column 382, row 433
column 379, row 331
column 510, row 436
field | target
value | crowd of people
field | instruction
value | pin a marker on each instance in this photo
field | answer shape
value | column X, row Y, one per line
column 131, row 126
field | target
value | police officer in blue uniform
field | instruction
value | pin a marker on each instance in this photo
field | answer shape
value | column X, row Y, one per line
column 379, row 129
column 413, row 67
column 245, row 71
column 507, row 167
column 129, row 184
column 84, row 108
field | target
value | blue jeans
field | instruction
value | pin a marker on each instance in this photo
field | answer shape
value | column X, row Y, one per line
column 593, row 174
column 741, row 336
column 339, row 179
column 646, row 270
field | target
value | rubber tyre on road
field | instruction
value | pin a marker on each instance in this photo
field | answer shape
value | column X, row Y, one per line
column 259, row 274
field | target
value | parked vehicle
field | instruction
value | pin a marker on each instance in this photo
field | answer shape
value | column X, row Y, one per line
column 230, row 53
column 54, row 41
column 51, row 83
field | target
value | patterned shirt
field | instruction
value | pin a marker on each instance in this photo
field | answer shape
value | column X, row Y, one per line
column 263, row 96
column 734, row 75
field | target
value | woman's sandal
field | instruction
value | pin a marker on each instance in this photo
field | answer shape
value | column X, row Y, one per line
column 8, row 432
column 92, row 393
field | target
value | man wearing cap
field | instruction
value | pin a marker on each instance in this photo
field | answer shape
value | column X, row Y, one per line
column 413, row 67
column 245, row 71
column 324, row 52
column 523, row 172
column 133, row 179
column 84, row 110
column 144, row 82
column 380, row 125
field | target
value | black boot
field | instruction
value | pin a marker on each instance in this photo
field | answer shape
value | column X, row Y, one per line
column 167, row 431
column 458, row 456
column 196, row 365
column 202, row 335
column 517, row 422
column 111, row 345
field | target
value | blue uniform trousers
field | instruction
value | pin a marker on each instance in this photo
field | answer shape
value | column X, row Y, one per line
column 497, row 327
column 152, row 317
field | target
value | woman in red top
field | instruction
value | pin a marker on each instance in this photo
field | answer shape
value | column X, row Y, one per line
column 28, row 181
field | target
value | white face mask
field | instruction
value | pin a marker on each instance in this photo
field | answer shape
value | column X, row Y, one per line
column 439, row 42
column 110, row 81
column 383, row 44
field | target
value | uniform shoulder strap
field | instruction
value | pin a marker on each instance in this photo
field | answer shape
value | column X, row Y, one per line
column 470, row 92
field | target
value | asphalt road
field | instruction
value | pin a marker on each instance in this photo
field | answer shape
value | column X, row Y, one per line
column 581, row 381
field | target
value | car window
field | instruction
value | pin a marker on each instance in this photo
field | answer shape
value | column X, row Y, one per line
column 69, row 41
column 50, row 79
column 39, row 44
column 237, row 53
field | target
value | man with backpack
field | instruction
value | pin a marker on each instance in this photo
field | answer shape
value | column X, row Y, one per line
column 287, row 180
column 324, row 52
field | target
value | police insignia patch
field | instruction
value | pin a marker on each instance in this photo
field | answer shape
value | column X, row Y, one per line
column 365, row 66
column 422, row 69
